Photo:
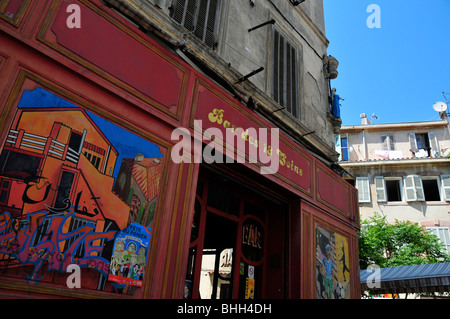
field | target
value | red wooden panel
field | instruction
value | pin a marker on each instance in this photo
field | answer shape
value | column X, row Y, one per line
column 116, row 52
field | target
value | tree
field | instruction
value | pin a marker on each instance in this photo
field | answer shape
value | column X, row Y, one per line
column 401, row 244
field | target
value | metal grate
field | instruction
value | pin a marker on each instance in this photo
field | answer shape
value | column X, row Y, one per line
column 199, row 17
column 285, row 81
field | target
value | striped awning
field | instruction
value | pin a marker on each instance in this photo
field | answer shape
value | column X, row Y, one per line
column 407, row 279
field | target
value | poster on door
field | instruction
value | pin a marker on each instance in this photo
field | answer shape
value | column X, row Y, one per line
column 130, row 255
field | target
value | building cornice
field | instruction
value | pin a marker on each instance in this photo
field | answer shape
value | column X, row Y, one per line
column 394, row 126
column 396, row 162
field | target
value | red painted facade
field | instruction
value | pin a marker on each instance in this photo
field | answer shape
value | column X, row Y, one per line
column 116, row 79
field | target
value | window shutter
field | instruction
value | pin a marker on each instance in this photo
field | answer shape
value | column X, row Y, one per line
column 385, row 142
column 410, row 189
column 337, row 146
column 434, row 144
column 443, row 233
column 414, row 188
column 419, row 188
column 381, row 189
column 446, row 186
column 363, row 186
column 391, row 143
column 412, row 142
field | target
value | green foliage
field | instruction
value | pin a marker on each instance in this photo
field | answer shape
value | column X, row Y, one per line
column 401, row 244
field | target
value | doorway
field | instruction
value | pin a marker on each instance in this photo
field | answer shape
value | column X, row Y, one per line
column 232, row 252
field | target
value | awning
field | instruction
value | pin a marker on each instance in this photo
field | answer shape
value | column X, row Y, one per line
column 407, row 279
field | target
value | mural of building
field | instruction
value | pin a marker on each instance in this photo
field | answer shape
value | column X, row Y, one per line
column 107, row 163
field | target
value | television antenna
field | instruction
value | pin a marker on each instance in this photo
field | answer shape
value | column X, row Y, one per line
column 373, row 117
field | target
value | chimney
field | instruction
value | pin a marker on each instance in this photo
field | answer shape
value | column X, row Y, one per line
column 364, row 119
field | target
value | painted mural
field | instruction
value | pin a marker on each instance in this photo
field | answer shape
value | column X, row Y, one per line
column 69, row 182
column 332, row 265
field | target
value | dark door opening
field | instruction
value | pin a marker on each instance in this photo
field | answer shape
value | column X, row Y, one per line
column 238, row 243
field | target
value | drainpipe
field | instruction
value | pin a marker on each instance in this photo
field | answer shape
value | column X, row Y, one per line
column 364, row 145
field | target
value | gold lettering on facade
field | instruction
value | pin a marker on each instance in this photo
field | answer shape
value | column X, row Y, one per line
column 217, row 116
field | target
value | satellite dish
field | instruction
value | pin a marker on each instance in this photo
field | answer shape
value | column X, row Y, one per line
column 440, row 107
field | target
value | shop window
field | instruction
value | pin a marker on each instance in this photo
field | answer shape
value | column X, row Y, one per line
column 285, row 78
column 363, row 186
column 200, row 17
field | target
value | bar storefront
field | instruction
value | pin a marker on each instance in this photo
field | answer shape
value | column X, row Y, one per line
column 94, row 202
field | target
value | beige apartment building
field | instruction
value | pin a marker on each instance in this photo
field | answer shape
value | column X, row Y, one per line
column 401, row 170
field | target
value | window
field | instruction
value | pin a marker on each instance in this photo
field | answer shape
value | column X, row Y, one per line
column 424, row 142
column 414, row 188
column 198, row 16
column 363, row 186
column 285, row 80
column 341, row 147
column 443, row 233
column 394, row 190
column 387, row 142
column 431, row 189
column 388, row 189
column 5, row 188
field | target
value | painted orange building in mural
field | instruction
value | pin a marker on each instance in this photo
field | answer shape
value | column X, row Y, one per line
column 67, row 164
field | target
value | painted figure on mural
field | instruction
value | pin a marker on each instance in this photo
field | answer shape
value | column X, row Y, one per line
column 332, row 272
column 328, row 272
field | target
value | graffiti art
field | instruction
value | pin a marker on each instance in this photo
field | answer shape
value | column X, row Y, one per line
column 70, row 180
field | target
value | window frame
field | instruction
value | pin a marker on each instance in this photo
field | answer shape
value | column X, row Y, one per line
column 400, row 188
column 286, row 91
column 438, row 184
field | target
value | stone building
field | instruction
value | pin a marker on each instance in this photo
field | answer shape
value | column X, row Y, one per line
column 401, row 170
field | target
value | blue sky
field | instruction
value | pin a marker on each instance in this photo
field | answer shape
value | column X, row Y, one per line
column 397, row 71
